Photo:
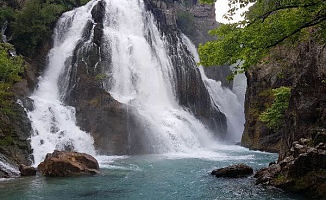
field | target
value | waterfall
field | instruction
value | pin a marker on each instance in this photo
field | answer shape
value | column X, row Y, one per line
column 230, row 102
column 143, row 77
column 140, row 74
column 54, row 123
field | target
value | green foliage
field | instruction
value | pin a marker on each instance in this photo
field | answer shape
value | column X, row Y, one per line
column 6, row 14
column 100, row 77
column 266, row 25
column 7, row 141
column 185, row 22
column 274, row 115
column 34, row 24
column 10, row 67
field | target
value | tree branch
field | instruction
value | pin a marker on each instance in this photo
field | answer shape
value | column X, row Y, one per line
column 306, row 25
column 267, row 14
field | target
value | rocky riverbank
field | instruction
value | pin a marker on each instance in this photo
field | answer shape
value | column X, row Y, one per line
column 302, row 171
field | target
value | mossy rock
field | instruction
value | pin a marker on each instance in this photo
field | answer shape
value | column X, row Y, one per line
column 319, row 137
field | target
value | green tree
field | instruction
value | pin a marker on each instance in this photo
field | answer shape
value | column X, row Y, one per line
column 268, row 23
column 34, row 24
column 274, row 115
column 10, row 69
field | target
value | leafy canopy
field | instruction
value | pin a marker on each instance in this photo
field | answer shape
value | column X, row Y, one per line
column 267, row 24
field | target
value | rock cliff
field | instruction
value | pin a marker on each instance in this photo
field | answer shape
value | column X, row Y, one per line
column 195, row 20
column 302, row 69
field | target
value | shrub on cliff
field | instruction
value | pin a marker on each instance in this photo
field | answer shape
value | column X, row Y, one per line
column 10, row 68
column 274, row 115
column 5, row 15
column 34, row 24
column 266, row 25
column 185, row 22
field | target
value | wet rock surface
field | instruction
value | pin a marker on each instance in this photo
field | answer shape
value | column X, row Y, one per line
column 27, row 170
column 110, row 121
column 302, row 171
column 234, row 171
column 303, row 69
column 190, row 89
column 65, row 163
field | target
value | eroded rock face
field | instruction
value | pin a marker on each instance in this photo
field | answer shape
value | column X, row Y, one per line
column 65, row 163
column 190, row 88
column 234, row 171
column 302, row 171
column 303, row 69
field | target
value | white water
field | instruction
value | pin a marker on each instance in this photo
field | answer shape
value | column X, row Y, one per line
column 9, row 169
column 54, row 123
column 230, row 102
column 143, row 78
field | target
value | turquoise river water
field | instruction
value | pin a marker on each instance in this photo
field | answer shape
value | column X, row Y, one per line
column 167, row 176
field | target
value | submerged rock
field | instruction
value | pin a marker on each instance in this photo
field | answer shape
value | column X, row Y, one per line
column 65, row 163
column 27, row 170
column 234, row 171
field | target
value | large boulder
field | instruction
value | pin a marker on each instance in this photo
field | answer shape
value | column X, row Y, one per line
column 234, row 171
column 65, row 163
column 27, row 170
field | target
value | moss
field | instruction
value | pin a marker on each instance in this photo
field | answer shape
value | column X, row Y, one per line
column 185, row 22
column 7, row 141
column 100, row 77
column 254, row 112
column 311, row 181
column 94, row 102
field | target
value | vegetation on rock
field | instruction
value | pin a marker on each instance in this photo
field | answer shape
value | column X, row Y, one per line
column 10, row 69
column 274, row 115
column 185, row 22
column 266, row 25
column 34, row 24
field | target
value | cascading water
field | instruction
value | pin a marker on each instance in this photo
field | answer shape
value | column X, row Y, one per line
column 143, row 78
column 230, row 102
column 54, row 123
column 140, row 75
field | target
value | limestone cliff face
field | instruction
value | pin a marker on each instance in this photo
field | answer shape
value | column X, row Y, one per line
column 303, row 69
column 195, row 20
column 190, row 89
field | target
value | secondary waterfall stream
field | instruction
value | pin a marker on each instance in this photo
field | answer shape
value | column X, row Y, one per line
column 142, row 77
